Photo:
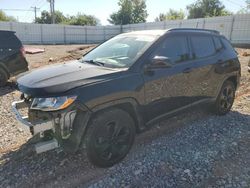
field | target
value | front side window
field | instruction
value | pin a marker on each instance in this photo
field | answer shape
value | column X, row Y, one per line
column 121, row 51
column 203, row 46
column 175, row 48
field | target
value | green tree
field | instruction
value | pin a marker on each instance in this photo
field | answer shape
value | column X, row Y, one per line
column 5, row 18
column 171, row 15
column 207, row 8
column 139, row 13
column 79, row 19
column 131, row 11
column 46, row 17
column 161, row 17
column 82, row 19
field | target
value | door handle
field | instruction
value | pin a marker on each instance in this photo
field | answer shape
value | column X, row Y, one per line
column 187, row 70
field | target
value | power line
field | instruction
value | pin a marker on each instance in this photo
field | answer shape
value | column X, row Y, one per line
column 232, row 2
column 35, row 10
column 42, row 4
column 24, row 10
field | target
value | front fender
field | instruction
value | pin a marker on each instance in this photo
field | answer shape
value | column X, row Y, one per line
column 85, row 114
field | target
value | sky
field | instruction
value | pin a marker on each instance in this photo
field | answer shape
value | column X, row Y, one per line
column 99, row 8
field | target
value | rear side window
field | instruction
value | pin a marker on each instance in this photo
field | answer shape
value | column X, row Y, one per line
column 217, row 43
column 228, row 45
column 9, row 41
column 174, row 47
column 203, row 46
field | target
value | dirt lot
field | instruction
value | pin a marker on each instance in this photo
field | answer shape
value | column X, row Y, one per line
column 194, row 149
column 56, row 54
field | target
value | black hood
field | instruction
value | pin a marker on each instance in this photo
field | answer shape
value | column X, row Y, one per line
column 57, row 79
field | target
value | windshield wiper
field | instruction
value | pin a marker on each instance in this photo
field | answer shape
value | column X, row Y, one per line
column 95, row 62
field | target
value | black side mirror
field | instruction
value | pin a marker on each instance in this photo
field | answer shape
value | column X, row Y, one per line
column 159, row 62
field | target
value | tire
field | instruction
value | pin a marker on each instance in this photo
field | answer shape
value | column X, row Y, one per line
column 3, row 77
column 225, row 99
column 109, row 137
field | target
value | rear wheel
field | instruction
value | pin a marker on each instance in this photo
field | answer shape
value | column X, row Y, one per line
column 3, row 77
column 225, row 99
column 109, row 137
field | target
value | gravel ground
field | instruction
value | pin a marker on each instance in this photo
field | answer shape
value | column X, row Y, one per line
column 206, row 155
column 193, row 149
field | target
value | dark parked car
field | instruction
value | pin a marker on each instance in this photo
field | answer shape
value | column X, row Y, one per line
column 12, row 56
column 125, row 85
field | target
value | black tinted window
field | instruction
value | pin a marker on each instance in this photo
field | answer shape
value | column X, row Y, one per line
column 217, row 43
column 203, row 46
column 175, row 48
column 9, row 40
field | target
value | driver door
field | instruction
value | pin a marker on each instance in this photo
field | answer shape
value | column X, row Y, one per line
column 168, row 88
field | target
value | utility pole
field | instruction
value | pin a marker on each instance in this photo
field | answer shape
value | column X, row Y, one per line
column 35, row 11
column 52, row 11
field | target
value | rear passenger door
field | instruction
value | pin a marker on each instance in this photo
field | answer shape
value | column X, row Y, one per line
column 205, row 56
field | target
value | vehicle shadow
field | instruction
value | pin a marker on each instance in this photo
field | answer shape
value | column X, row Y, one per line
column 24, row 168
column 10, row 86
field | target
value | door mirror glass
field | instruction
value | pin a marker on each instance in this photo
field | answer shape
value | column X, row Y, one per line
column 160, row 62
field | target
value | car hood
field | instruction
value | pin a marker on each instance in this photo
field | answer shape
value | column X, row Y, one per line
column 57, row 79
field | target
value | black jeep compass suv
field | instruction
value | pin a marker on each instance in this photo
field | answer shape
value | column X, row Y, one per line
column 12, row 56
column 101, row 101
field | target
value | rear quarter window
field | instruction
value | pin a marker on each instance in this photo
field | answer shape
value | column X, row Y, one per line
column 9, row 41
column 217, row 43
column 228, row 45
column 203, row 46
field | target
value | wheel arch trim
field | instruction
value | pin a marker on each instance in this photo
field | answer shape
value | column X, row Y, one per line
column 5, row 69
column 118, row 104
column 75, row 142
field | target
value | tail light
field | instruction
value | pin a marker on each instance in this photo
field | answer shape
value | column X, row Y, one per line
column 22, row 50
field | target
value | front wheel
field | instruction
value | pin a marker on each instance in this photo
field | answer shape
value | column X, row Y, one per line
column 109, row 137
column 225, row 99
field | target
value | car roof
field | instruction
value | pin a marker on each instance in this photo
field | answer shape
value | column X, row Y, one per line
column 164, row 31
column 147, row 32
column 4, row 32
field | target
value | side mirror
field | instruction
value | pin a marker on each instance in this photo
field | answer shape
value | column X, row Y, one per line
column 159, row 62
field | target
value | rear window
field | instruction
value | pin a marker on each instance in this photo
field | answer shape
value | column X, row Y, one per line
column 9, row 40
column 203, row 46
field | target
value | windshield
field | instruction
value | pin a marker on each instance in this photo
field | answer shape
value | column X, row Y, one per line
column 119, row 52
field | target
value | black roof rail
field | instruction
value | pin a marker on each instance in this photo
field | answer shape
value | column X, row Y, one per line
column 195, row 29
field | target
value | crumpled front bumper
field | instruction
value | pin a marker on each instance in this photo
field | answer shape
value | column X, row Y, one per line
column 35, row 129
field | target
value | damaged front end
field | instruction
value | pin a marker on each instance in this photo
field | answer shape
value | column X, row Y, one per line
column 48, row 119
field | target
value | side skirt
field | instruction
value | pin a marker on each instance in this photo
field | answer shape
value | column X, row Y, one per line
column 171, row 113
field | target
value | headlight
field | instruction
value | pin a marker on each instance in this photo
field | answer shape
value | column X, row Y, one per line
column 52, row 104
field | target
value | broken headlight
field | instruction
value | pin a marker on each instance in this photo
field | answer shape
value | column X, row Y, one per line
column 53, row 103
